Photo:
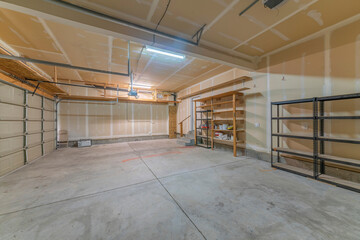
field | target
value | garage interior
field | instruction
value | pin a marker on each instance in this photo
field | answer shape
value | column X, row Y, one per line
column 169, row 119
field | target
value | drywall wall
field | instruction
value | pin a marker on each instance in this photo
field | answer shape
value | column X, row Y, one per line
column 327, row 64
column 27, row 127
column 101, row 120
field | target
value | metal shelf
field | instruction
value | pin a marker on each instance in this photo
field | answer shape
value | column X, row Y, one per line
column 339, row 117
column 294, row 152
column 292, row 169
column 291, row 135
column 293, row 118
column 340, row 182
column 339, row 139
column 347, row 161
column 318, row 137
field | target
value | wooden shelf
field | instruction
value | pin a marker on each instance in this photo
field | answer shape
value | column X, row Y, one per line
column 219, row 86
column 232, row 119
column 220, row 96
column 228, row 111
column 340, row 182
column 293, row 169
column 220, row 130
column 229, row 142
column 229, row 119
column 217, row 103
column 342, row 160
column 203, row 145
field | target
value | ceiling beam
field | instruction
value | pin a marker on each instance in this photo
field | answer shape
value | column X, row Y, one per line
column 64, row 15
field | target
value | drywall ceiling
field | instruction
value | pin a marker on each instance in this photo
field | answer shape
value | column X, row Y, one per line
column 257, row 33
column 37, row 38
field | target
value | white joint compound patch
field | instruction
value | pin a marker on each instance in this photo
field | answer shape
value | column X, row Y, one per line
column 257, row 48
column 280, row 35
column 317, row 16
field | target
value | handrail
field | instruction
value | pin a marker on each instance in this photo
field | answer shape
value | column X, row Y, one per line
column 184, row 119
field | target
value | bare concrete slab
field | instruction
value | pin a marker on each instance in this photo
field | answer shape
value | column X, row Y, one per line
column 144, row 211
column 160, row 190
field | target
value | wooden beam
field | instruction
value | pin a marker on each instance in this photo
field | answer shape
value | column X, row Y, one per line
column 109, row 99
column 221, row 85
column 24, row 86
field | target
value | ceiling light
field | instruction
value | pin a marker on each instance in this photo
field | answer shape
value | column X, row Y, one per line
column 176, row 55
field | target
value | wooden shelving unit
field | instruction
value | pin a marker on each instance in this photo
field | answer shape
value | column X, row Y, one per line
column 317, row 157
column 226, row 109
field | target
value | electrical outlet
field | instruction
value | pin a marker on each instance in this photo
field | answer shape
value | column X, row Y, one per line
column 257, row 124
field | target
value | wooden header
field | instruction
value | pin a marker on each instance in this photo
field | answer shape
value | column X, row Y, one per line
column 109, row 99
column 221, row 85
column 219, row 96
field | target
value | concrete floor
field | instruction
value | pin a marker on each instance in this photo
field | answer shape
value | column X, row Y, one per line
column 160, row 190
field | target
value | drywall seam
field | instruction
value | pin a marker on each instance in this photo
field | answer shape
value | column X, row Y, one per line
column 110, row 47
column 327, row 90
column 277, row 23
column 196, row 84
column 357, row 64
column 176, row 71
column 111, row 120
column 186, row 82
column 132, row 118
column 269, row 106
column 315, row 35
column 58, row 45
column 302, row 76
column 152, row 10
column 34, row 49
column 151, row 119
column 222, row 13
column 87, row 119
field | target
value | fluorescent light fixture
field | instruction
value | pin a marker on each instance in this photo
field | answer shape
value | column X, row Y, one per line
column 175, row 55
column 141, row 86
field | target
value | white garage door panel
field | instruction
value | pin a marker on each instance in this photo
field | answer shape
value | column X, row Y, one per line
column 11, row 162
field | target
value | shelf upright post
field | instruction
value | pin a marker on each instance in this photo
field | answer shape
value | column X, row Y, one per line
column 271, row 129
column 25, row 125
column 42, row 125
column 234, row 124
column 322, row 132
column 195, row 122
column 278, row 130
column 212, row 124
column 315, row 136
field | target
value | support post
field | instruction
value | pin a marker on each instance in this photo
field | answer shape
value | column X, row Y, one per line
column 315, row 136
column 212, row 124
column 195, row 122
column 271, row 132
column 25, row 126
column 322, row 132
column 234, row 124
column 278, row 130
column 42, row 126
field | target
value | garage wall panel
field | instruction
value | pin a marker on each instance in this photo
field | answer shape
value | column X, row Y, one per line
column 94, row 120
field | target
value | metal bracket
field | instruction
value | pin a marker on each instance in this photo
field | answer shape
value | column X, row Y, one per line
column 198, row 34
column 248, row 7
column 37, row 86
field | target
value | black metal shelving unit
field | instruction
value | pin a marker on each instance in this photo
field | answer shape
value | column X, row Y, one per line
column 318, row 138
column 201, row 139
